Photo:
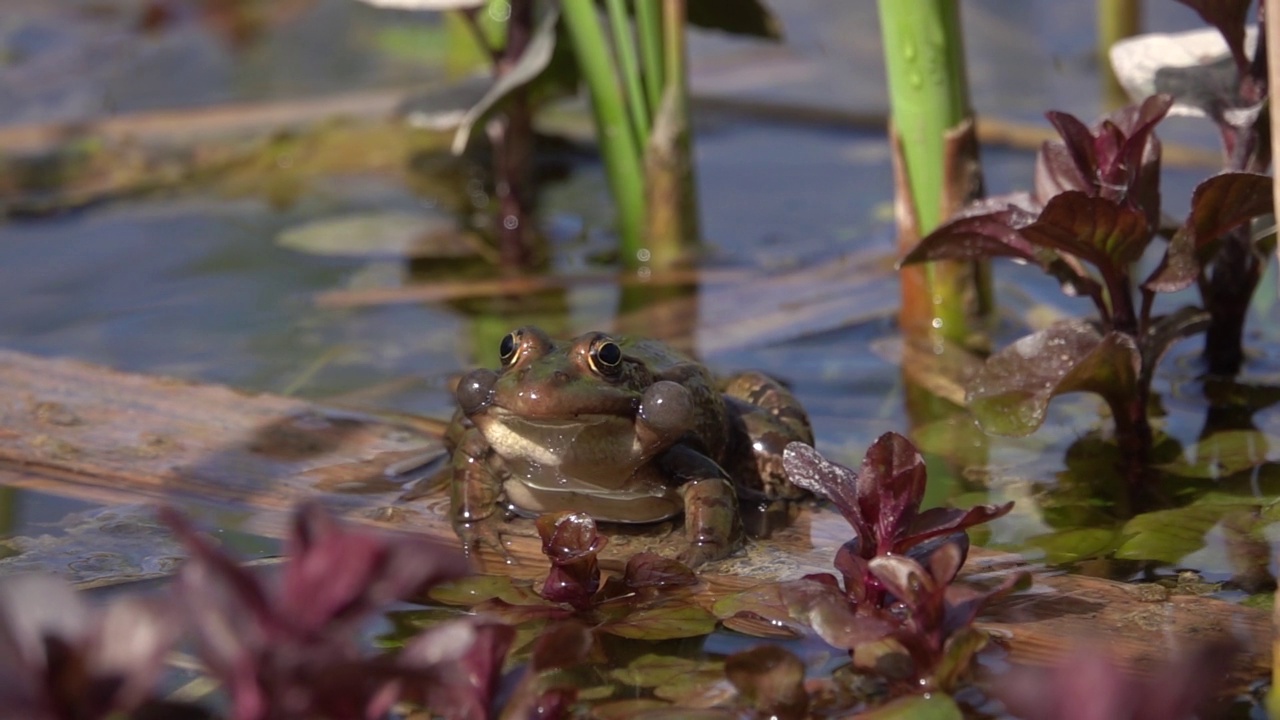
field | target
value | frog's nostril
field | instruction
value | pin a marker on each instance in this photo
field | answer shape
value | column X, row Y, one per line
column 560, row 377
column 475, row 391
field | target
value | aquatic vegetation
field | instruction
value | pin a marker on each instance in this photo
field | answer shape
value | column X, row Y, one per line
column 62, row 660
column 288, row 650
column 650, row 600
column 897, row 611
column 881, row 502
column 936, row 167
column 292, row 650
column 1232, row 94
column 1093, row 214
column 636, row 76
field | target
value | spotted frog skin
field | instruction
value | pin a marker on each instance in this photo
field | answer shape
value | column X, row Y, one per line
column 625, row 429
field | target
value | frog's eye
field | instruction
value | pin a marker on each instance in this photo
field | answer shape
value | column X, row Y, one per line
column 507, row 350
column 606, row 357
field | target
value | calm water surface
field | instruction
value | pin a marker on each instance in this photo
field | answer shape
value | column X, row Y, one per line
column 191, row 283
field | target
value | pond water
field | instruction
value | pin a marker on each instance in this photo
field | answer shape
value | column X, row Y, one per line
column 191, row 283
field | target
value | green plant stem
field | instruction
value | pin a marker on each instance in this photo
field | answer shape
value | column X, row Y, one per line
column 671, row 228
column 1117, row 20
column 924, row 58
column 632, row 83
column 673, row 45
column 617, row 141
column 649, row 30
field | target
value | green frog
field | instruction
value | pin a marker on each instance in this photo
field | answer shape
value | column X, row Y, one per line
column 627, row 430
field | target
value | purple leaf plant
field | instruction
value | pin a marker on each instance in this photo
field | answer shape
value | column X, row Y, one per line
column 650, row 600
column 895, row 599
column 292, row 649
column 1093, row 214
column 1227, row 263
column 60, row 659
column 881, row 502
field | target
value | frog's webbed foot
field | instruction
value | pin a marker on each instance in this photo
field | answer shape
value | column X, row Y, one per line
column 485, row 533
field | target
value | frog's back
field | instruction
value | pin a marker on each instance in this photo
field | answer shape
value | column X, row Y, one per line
column 654, row 354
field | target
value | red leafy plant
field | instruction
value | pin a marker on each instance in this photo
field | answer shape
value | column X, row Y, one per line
column 292, row 650
column 60, row 659
column 650, row 600
column 1094, row 212
column 1232, row 94
column 894, row 607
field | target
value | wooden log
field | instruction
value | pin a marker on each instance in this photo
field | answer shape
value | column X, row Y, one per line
column 75, row 429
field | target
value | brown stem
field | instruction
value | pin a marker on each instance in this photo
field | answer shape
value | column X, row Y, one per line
column 1135, row 439
column 1235, row 275
column 511, row 136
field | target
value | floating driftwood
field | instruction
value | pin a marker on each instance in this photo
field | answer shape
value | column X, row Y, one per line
column 74, row 429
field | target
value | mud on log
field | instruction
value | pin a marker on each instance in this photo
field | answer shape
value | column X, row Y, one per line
column 74, row 429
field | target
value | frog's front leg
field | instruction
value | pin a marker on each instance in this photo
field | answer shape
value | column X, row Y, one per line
column 711, row 523
column 474, row 495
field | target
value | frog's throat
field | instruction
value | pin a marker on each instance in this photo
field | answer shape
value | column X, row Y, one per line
column 548, row 441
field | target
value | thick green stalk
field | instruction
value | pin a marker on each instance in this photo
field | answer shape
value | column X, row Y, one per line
column 1117, row 20
column 936, row 162
column 649, row 30
column 673, row 46
column 672, row 223
column 632, row 84
column 617, row 141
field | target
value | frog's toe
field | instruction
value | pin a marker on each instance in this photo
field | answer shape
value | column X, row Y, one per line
column 484, row 534
column 697, row 554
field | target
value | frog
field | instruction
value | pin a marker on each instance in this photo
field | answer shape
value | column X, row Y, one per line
column 626, row 429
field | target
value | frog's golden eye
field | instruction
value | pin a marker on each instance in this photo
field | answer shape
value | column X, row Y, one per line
column 507, row 350
column 606, row 357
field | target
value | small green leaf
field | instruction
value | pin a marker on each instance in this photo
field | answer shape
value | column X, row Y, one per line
column 804, row 606
column 935, row 706
column 476, row 589
column 1075, row 544
column 1011, row 394
column 1170, row 535
column 1221, row 454
column 664, row 622
column 957, row 657
column 672, row 675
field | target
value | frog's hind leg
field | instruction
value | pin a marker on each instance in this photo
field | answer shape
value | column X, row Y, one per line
column 475, row 494
column 711, row 524
column 758, row 390
column 768, row 417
